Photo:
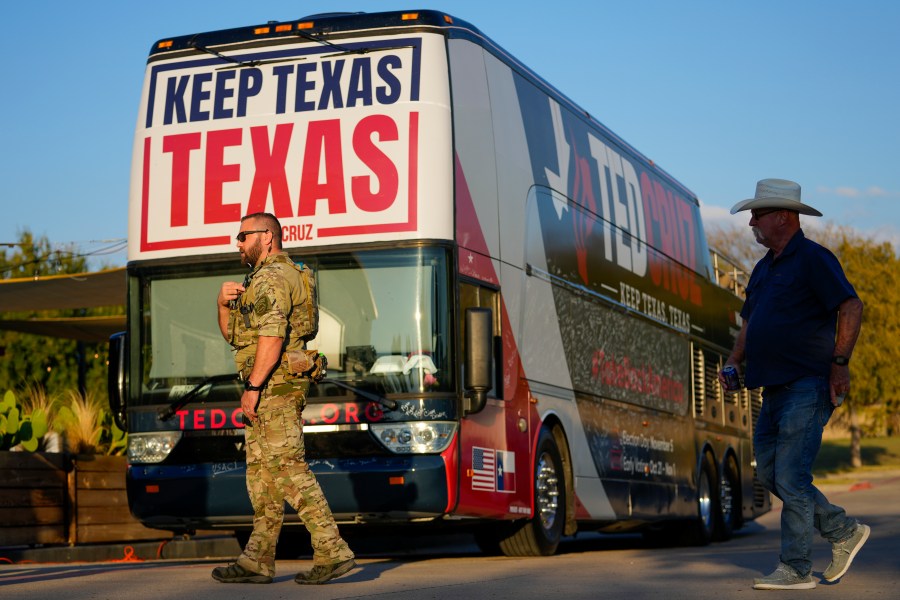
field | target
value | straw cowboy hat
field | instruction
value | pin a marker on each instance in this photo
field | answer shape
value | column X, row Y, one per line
column 776, row 193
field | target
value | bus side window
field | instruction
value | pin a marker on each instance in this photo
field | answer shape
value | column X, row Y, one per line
column 478, row 296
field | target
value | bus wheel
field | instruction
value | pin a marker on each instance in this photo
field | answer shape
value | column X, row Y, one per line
column 729, row 513
column 540, row 535
column 488, row 536
column 700, row 530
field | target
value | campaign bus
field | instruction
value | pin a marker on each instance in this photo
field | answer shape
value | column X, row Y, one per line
column 522, row 319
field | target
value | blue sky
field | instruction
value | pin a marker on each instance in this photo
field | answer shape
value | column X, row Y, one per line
column 718, row 93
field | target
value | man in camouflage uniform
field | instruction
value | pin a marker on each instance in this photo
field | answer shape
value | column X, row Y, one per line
column 262, row 319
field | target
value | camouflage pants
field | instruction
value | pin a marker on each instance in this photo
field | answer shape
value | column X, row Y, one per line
column 277, row 472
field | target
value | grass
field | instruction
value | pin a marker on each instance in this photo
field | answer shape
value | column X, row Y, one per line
column 81, row 419
column 877, row 454
column 36, row 398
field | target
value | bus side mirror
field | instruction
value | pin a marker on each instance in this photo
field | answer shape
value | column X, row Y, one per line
column 479, row 358
column 115, row 378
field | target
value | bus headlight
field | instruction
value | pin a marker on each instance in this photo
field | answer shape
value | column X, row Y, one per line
column 151, row 447
column 418, row 437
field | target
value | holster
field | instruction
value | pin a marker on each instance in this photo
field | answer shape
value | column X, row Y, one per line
column 300, row 362
column 306, row 363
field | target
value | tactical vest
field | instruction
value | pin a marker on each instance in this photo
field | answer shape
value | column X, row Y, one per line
column 306, row 323
column 280, row 299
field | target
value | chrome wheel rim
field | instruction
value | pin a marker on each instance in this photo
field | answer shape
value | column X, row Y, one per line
column 705, row 501
column 727, row 499
column 547, row 491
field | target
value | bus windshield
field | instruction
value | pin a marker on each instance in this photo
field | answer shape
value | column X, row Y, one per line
column 384, row 324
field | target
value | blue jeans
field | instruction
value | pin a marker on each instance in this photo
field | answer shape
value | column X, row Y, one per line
column 786, row 440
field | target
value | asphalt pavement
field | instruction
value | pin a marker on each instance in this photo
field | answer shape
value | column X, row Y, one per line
column 214, row 545
column 448, row 567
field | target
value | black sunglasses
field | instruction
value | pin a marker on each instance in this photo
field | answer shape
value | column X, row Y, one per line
column 758, row 214
column 242, row 236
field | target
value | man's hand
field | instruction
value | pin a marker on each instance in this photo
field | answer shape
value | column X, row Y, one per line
column 249, row 401
column 840, row 383
column 268, row 355
column 231, row 290
column 722, row 377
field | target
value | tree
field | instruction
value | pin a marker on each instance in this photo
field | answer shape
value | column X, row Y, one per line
column 875, row 273
column 52, row 363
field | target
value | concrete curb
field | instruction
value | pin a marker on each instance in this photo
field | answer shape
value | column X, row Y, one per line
column 216, row 547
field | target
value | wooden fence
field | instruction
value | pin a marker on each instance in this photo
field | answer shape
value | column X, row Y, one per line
column 48, row 498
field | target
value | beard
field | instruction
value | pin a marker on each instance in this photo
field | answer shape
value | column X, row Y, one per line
column 250, row 254
column 760, row 238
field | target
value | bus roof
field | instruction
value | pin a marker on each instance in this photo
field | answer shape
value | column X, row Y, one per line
column 328, row 28
column 309, row 27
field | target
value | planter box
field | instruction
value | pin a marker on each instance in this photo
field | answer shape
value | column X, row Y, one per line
column 33, row 500
column 50, row 499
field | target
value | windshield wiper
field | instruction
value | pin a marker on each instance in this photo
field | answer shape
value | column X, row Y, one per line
column 385, row 402
column 344, row 50
column 240, row 63
column 367, row 50
column 256, row 63
column 168, row 412
column 341, row 51
column 319, row 40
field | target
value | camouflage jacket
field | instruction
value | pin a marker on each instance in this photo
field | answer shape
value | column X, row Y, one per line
column 270, row 306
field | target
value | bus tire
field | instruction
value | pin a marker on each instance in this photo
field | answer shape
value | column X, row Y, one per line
column 488, row 536
column 540, row 535
column 701, row 530
column 729, row 518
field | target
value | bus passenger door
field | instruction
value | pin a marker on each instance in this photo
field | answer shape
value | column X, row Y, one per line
column 495, row 465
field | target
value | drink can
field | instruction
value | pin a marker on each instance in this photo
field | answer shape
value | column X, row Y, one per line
column 732, row 379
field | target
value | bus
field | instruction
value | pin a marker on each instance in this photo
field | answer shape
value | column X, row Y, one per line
column 522, row 319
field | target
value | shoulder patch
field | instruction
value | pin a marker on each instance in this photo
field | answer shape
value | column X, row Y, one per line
column 261, row 306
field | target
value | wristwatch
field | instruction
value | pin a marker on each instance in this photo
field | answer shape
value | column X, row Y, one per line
column 841, row 361
column 252, row 388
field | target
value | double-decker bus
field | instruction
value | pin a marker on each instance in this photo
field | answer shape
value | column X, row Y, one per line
column 521, row 316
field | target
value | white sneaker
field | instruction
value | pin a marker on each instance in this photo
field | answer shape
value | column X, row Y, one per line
column 843, row 553
column 784, row 577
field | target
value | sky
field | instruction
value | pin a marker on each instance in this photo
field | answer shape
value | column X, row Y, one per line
column 718, row 93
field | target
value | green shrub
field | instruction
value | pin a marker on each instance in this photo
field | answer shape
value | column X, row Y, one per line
column 76, row 423
column 20, row 430
column 88, row 426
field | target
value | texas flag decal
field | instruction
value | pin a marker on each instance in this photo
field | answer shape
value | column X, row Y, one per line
column 493, row 470
column 506, row 471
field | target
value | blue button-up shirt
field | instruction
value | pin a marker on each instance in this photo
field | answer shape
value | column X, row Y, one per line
column 791, row 313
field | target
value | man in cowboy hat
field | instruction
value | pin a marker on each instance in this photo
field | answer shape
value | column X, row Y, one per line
column 801, row 319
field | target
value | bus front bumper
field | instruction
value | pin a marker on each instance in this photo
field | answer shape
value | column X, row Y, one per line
column 214, row 495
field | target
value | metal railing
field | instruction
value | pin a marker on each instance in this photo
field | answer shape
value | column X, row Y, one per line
column 728, row 273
